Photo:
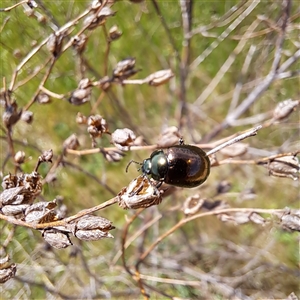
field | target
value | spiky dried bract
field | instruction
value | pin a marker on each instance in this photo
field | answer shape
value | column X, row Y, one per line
column 91, row 228
column 123, row 138
column 57, row 238
column 140, row 193
column 71, row 142
column 287, row 166
column 160, row 77
column 96, row 127
column 284, row 109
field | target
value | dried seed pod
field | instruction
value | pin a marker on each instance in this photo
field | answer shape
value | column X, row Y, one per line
column 93, row 21
column 287, row 166
column 27, row 116
column 124, row 69
column 12, row 196
column 57, row 238
column 82, row 94
column 43, row 98
column 19, row 157
column 284, row 109
column 79, row 42
column 54, row 44
column 93, row 222
column 234, row 150
column 192, row 204
column 242, row 218
column 169, row 137
column 113, row 155
column 291, row 220
column 114, row 33
column 139, row 193
column 223, row 187
column 41, row 212
column 123, row 138
column 14, row 210
column 81, row 119
column 11, row 115
column 9, row 181
column 7, row 272
column 91, row 228
column 160, row 77
column 71, row 142
column 46, row 156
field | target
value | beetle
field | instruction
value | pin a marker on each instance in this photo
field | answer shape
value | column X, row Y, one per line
column 181, row 165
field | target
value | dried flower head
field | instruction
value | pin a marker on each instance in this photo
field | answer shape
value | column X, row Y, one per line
column 97, row 126
column 123, row 138
column 41, row 212
column 139, row 193
column 192, row 204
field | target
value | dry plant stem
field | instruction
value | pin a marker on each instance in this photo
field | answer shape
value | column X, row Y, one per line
column 61, row 30
column 33, row 99
column 235, row 114
column 7, row 9
column 201, row 215
column 226, row 65
column 224, row 35
column 251, row 132
column 127, row 242
column 63, row 222
column 260, row 161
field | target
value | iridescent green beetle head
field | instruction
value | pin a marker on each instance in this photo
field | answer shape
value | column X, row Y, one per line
column 156, row 166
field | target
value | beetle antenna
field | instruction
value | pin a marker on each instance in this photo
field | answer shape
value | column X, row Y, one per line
column 132, row 161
